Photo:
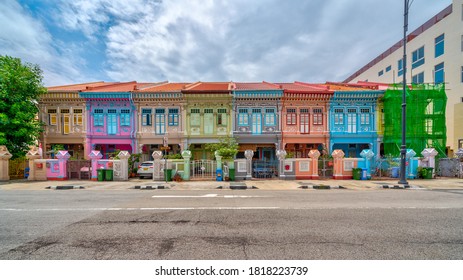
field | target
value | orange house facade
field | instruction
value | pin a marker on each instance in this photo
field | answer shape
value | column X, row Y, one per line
column 304, row 119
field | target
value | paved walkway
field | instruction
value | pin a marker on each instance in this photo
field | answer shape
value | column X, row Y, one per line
column 440, row 183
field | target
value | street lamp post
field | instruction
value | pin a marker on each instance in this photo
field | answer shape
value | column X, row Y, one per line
column 403, row 147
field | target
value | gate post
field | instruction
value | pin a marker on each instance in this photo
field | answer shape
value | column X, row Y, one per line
column 4, row 158
column 157, row 174
column 186, row 155
column 62, row 157
column 338, row 156
column 218, row 171
column 32, row 155
column 314, row 155
column 411, row 166
column 249, row 154
column 459, row 154
column 95, row 156
column 430, row 155
column 124, row 157
column 281, row 155
column 367, row 154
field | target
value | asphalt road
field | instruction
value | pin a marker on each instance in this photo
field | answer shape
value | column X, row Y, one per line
column 225, row 224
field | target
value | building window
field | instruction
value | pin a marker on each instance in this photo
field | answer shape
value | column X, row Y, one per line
column 270, row 116
column 112, row 121
column 256, row 127
column 304, row 121
column 380, row 73
column 400, row 67
column 291, row 116
column 160, row 121
column 78, row 117
column 173, row 117
column 208, row 121
column 439, row 45
column 52, row 116
column 125, row 117
column 98, row 117
column 418, row 78
column 388, row 68
column 462, row 74
column 318, row 116
column 351, row 120
column 146, row 117
column 338, row 116
column 418, row 57
column 195, row 117
column 243, row 118
column 365, row 116
column 439, row 73
column 221, row 116
column 66, row 121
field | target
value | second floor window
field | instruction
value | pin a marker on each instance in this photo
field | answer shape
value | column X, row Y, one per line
column 365, row 116
column 98, row 117
column 400, row 67
column 439, row 45
column 78, row 117
column 221, row 116
column 291, row 116
column 338, row 116
column 52, row 117
column 318, row 116
column 243, row 117
column 439, row 73
column 160, row 121
column 125, row 117
column 112, row 121
column 66, row 121
column 418, row 57
column 195, row 117
column 418, row 78
column 173, row 117
column 270, row 116
column 146, row 117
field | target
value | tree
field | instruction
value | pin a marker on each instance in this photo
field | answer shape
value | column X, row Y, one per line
column 20, row 87
column 227, row 147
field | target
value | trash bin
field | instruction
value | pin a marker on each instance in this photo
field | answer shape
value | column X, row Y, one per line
column 231, row 174
column 26, row 172
column 101, row 174
column 168, row 174
column 356, row 173
column 427, row 172
column 219, row 175
column 364, row 174
column 108, row 174
column 395, row 172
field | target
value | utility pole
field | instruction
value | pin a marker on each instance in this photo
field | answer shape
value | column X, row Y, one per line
column 403, row 147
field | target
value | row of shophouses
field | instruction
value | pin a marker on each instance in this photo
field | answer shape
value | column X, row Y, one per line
column 263, row 117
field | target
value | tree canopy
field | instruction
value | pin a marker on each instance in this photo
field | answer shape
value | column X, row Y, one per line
column 20, row 87
column 227, row 147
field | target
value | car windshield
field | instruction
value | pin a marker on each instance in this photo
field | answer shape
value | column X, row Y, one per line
column 147, row 164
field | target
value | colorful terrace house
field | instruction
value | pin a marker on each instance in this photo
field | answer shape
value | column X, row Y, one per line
column 161, row 118
column 353, row 118
column 305, row 118
column 111, row 118
column 208, row 111
column 257, row 108
column 63, row 112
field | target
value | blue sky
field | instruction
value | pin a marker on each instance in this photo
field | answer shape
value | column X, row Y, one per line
column 77, row 41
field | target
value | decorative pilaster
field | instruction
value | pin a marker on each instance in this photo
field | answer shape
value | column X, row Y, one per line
column 248, row 154
column 281, row 155
column 62, row 157
column 124, row 157
column 367, row 154
column 95, row 156
column 314, row 155
column 157, row 172
column 186, row 154
column 338, row 156
column 430, row 155
column 32, row 155
column 4, row 159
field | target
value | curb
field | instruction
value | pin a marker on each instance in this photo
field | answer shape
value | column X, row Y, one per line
column 321, row 187
column 150, row 187
column 238, row 186
column 65, row 188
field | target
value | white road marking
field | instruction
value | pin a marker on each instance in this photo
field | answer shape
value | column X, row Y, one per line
column 212, row 195
column 136, row 209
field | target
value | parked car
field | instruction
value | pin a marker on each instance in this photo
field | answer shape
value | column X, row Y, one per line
column 145, row 169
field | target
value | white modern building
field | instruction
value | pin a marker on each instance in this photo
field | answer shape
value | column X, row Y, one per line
column 434, row 55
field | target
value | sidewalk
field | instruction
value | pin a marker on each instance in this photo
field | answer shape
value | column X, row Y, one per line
column 376, row 184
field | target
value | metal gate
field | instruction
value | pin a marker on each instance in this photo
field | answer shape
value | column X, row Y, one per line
column 203, row 169
column 448, row 167
column 325, row 168
column 265, row 169
column 16, row 168
column 79, row 169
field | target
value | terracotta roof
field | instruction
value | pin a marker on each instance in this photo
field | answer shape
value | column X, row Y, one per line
column 255, row 86
column 78, row 87
column 119, row 87
column 208, row 87
column 348, row 87
column 166, row 87
column 303, row 87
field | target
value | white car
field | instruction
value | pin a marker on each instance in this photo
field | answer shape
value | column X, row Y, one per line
column 145, row 169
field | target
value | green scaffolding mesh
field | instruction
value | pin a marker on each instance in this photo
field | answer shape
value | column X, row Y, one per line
column 425, row 119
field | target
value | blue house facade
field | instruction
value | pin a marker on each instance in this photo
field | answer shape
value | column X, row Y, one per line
column 353, row 121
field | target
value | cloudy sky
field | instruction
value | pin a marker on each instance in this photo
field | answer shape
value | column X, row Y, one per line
column 209, row 40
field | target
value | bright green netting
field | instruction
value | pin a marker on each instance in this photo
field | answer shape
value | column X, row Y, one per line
column 425, row 119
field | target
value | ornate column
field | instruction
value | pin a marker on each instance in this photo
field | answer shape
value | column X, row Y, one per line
column 248, row 154
column 186, row 154
column 124, row 157
column 4, row 158
column 95, row 156
column 62, row 157
column 32, row 155
column 430, row 155
column 219, row 165
column 338, row 156
column 281, row 155
column 314, row 155
column 367, row 154
column 157, row 173
column 411, row 166
column 459, row 154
